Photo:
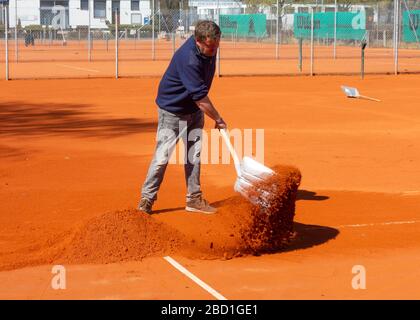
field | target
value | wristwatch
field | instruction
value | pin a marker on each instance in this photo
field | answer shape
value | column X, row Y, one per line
column 219, row 121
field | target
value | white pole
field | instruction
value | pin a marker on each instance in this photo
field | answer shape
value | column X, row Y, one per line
column 277, row 30
column 312, row 41
column 393, row 31
column 159, row 17
column 89, row 21
column 377, row 24
column 335, row 29
column 218, row 50
column 397, row 37
column 173, row 42
column 153, row 29
column 116, row 44
column 396, row 26
column 16, row 35
column 6, row 39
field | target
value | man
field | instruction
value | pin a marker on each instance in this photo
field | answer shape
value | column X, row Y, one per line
column 183, row 97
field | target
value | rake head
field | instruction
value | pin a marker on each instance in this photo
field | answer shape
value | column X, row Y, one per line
column 350, row 92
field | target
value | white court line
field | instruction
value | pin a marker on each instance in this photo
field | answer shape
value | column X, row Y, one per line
column 76, row 68
column 202, row 284
column 411, row 193
column 376, row 224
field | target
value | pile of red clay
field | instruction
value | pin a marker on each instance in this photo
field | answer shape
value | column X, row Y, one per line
column 127, row 235
column 269, row 226
column 238, row 228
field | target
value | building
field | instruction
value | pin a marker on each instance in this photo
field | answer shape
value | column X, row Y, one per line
column 289, row 10
column 206, row 9
column 78, row 12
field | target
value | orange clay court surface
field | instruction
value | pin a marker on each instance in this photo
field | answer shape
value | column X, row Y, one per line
column 74, row 153
column 239, row 58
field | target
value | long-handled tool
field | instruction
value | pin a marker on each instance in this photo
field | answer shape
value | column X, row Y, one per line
column 249, row 171
column 354, row 93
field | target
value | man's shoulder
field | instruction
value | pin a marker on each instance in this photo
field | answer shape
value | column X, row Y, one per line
column 187, row 53
column 188, row 46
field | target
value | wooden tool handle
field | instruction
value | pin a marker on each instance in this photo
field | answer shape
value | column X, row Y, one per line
column 369, row 98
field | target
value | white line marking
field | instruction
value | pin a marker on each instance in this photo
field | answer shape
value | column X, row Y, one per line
column 376, row 224
column 202, row 284
column 76, row 68
column 411, row 193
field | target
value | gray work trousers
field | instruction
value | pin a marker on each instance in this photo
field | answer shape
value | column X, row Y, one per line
column 171, row 127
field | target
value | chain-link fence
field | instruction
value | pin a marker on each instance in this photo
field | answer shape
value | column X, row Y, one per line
column 107, row 38
column 408, row 52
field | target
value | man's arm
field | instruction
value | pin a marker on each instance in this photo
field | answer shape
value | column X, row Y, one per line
column 207, row 107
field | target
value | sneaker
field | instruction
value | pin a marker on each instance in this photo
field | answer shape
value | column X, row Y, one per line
column 200, row 205
column 145, row 205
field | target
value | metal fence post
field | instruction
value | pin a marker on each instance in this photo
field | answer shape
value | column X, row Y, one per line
column 116, row 44
column 394, row 28
column 173, row 42
column 396, row 34
column 377, row 24
column 6, row 39
column 153, row 29
column 277, row 30
column 159, row 17
column 218, row 50
column 16, row 35
column 335, row 29
column 362, row 64
column 384, row 38
column 312, row 41
column 89, row 22
column 300, row 53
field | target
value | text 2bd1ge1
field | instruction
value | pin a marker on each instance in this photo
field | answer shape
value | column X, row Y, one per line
column 211, row 309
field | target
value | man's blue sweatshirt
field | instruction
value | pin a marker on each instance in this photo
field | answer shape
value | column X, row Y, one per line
column 187, row 79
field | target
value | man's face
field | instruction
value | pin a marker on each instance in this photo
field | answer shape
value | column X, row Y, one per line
column 209, row 46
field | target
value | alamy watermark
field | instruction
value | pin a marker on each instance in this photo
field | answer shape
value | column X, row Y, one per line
column 359, row 279
column 59, row 280
column 180, row 145
column 58, row 22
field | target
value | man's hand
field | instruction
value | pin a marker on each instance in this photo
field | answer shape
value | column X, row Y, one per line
column 220, row 124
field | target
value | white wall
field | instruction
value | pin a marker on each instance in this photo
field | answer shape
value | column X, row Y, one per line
column 146, row 10
column 29, row 13
column 76, row 15
column 125, row 12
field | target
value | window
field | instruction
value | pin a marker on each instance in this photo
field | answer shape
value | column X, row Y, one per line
column 99, row 9
column 52, row 3
column 116, row 6
column 136, row 18
column 84, row 4
column 47, row 4
column 135, row 5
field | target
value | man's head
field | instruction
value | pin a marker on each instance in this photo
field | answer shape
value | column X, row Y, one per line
column 207, row 37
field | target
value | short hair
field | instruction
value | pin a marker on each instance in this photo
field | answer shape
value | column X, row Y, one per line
column 206, row 29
